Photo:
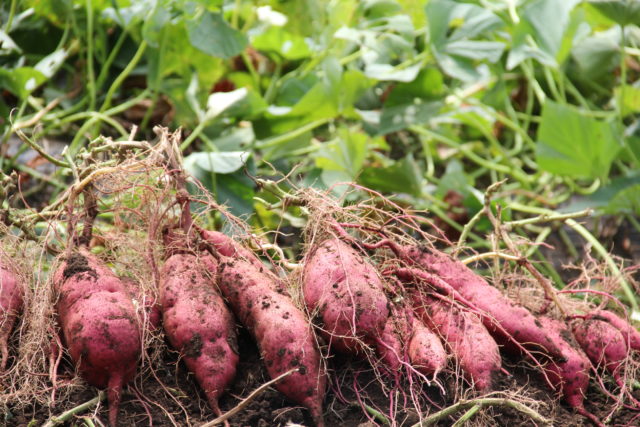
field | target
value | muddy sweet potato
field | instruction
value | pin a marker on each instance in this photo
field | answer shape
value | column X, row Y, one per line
column 426, row 353
column 197, row 322
column 99, row 324
column 344, row 289
column 391, row 344
column 603, row 344
column 570, row 377
column 466, row 337
column 282, row 331
column 11, row 302
column 629, row 333
column 512, row 318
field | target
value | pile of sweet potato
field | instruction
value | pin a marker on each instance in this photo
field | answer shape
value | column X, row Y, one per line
column 416, row 313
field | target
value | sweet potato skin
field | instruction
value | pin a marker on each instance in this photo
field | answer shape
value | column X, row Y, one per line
column 629, row 333
column 514, row 319
column 11, row 303
column 347, row 293
column 465, row 336
column 426, row 353
column 99, row 324
column 603, row 344
column 282, row 332
column 197, row 323
column 571, row 377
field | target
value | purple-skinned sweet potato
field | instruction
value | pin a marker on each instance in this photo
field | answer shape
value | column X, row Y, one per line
column 466, row 337
column 347, row 294
column 426, row 353
column 282, row 331
column 629, row 333
column 99, row 324
column 197, row 322
column 570, row 377
column 513, row 319
column 603, row 344
column 11, row 302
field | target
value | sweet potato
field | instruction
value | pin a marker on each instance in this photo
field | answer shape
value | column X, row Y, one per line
column 571, row 377
column 391, row 344
column 426, row 352
column 99, row 324
column 226, row 246
column 405, row 339
column 347, row 293
column 603, row 344
column 466, row 337
column 197, row 323
column 629, row 333
column 281, row 330
column 11, row 302
column 513, row 319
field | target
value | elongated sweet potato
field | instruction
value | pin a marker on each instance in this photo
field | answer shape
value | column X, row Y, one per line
column 391, row 344
column 283, row 333
column 11, row 302
column 347, row 293
column 629, row 333
column 426, row 352
column 571, row 377
column 603, row 344
column 514, row 319
column 99, row 324
column 466, row 337
column 197, row 323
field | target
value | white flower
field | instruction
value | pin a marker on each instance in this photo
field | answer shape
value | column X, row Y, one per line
column 270, row 16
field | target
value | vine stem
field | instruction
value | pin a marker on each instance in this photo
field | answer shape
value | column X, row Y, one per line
column 66, row 416
column 596, row 245
column 504, row 235
column 481, row 403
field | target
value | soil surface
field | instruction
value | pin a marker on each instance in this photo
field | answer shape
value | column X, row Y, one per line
column 178, row 401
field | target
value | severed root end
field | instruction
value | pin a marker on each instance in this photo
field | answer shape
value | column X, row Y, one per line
column 114, row 393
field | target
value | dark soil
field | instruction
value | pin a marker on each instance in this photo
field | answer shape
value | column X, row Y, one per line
column 180, row 402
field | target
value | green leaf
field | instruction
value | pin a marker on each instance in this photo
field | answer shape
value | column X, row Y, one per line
column 402, row 116
column 597, row 56
column 21, row 81
column 614, row 198
column 236, row 191
column 223, row 162
column 622, row 12
column 428, row 85
column 51, row 63
column 213, row 36
column 545, row 22
column 630, row 100
column 235, row 139
column 402, row 176
column 452, row 26
column 573, row 144
column 346, row 154
column 277, row 40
